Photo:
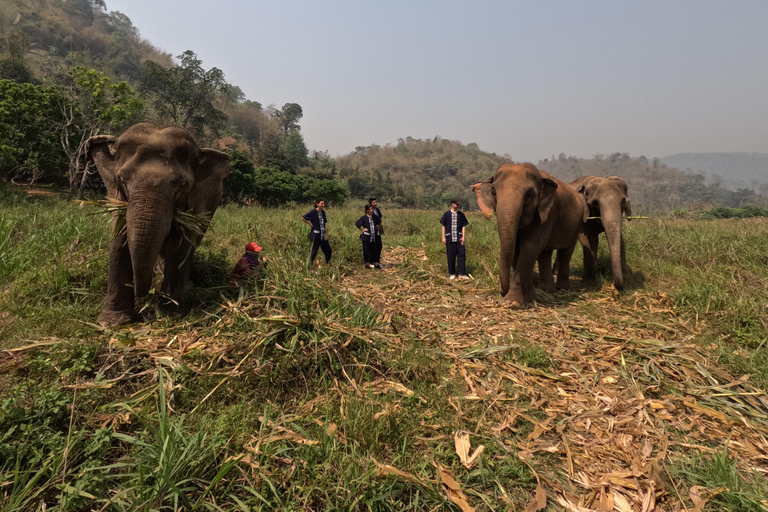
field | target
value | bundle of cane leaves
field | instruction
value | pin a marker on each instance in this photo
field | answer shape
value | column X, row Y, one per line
column 191, row 223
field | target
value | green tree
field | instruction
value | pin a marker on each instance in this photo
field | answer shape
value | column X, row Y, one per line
column 274, row 187
column 289, row 117
column 241, row 183
column 29, row 137
column 295, row 151
column 91, row 104
column 186, row 94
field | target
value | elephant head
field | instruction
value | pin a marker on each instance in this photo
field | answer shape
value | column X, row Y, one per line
column 607, row 199
column 155, row 169
column 520, row 197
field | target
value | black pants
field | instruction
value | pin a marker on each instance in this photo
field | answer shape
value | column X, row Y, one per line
column 378, row 247
column 319, row 243
column 370, row 252
column 454, row 249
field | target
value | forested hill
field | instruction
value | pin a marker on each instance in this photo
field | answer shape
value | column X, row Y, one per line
column 731, row 170
column 416, row 172
column 427, row 173
column 49, row 36
column 653, row 186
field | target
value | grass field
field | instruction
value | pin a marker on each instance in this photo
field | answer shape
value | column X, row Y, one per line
column 353, row 389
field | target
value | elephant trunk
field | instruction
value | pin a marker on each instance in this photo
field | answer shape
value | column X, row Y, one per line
column 508, row 221
column 148, row 221
column 610, row 215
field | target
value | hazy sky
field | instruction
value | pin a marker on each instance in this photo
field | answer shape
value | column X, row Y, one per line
column 530, row 79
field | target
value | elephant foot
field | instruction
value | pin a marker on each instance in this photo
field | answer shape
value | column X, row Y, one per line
column 514, row 299
column 563, row 286
column 109, row 318
column 549, row 288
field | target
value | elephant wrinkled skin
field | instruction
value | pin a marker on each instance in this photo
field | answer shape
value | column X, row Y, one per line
column 536, row 215
column 155, row 169
column 607, row 199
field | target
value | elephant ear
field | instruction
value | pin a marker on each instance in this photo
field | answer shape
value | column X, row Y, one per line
column 100, row 149
column 547, row 198
column 486, row 199
column 585, row 206
column 212, row 168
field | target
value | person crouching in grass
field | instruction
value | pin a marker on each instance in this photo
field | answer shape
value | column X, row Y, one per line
column 368, row 225
column 247, row 265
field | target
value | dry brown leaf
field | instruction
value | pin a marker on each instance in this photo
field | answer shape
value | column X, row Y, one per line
column 387, row 469
column 463, row 448
column 538, row 502
column 453, row 490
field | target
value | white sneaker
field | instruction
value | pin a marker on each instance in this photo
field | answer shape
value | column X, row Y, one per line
column 463, row 276
column 369, row 266
column 452, row 277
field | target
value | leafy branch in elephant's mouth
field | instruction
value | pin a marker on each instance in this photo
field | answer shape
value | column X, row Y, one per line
column 191, row 223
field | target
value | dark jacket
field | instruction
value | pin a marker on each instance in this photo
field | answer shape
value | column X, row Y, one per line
column 368, row 222
column 318, row 220
column 461, row 221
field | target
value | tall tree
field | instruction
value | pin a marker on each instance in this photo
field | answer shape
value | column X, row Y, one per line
column 90, row 104
column 186, row 94
column 289, row 117
column 295, row 151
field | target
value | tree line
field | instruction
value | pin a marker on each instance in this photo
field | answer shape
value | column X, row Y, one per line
column 50, row 106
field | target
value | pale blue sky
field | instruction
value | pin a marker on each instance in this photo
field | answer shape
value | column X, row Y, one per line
column 530, row 79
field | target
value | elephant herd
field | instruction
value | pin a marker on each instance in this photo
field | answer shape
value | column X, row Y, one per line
column 538, row 214
column 158, row 170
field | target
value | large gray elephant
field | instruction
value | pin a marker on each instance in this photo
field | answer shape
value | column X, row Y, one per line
column 536, row 215
column 607, row 199
column 156, row 170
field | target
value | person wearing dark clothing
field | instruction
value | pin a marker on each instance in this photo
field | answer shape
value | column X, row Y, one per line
column 377, row 215
column 453, row 231
column 249, row 262
column 317, row 221
column 368, row 225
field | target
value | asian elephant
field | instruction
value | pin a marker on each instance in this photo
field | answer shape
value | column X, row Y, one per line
column 536, row 214
column 156, row 170
column 607, row 199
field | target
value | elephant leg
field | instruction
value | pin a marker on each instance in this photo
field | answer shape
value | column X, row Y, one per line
column 177, row 253
column 515, row 294
column 556, row 264
column 589, row 243
column 545, row 271
column 564, row 270
column 119, row 306
column 526, row 261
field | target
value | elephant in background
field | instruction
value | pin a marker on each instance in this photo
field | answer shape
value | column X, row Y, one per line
column 536, row 215
column 156, row 170
column 607, row 199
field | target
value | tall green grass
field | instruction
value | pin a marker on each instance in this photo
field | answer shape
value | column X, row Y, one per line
column 53, row 259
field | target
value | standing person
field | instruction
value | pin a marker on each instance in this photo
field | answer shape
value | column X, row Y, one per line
column 368, row 227
column 377, row 215
column 317, row 221
column 454, row 223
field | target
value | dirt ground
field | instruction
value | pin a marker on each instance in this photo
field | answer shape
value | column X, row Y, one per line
column 628, row 389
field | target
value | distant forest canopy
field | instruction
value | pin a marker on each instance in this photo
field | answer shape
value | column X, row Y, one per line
column 730, row 170
column 427, row 173
column 71, row 69
column 653, row 187
column 417, row 173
